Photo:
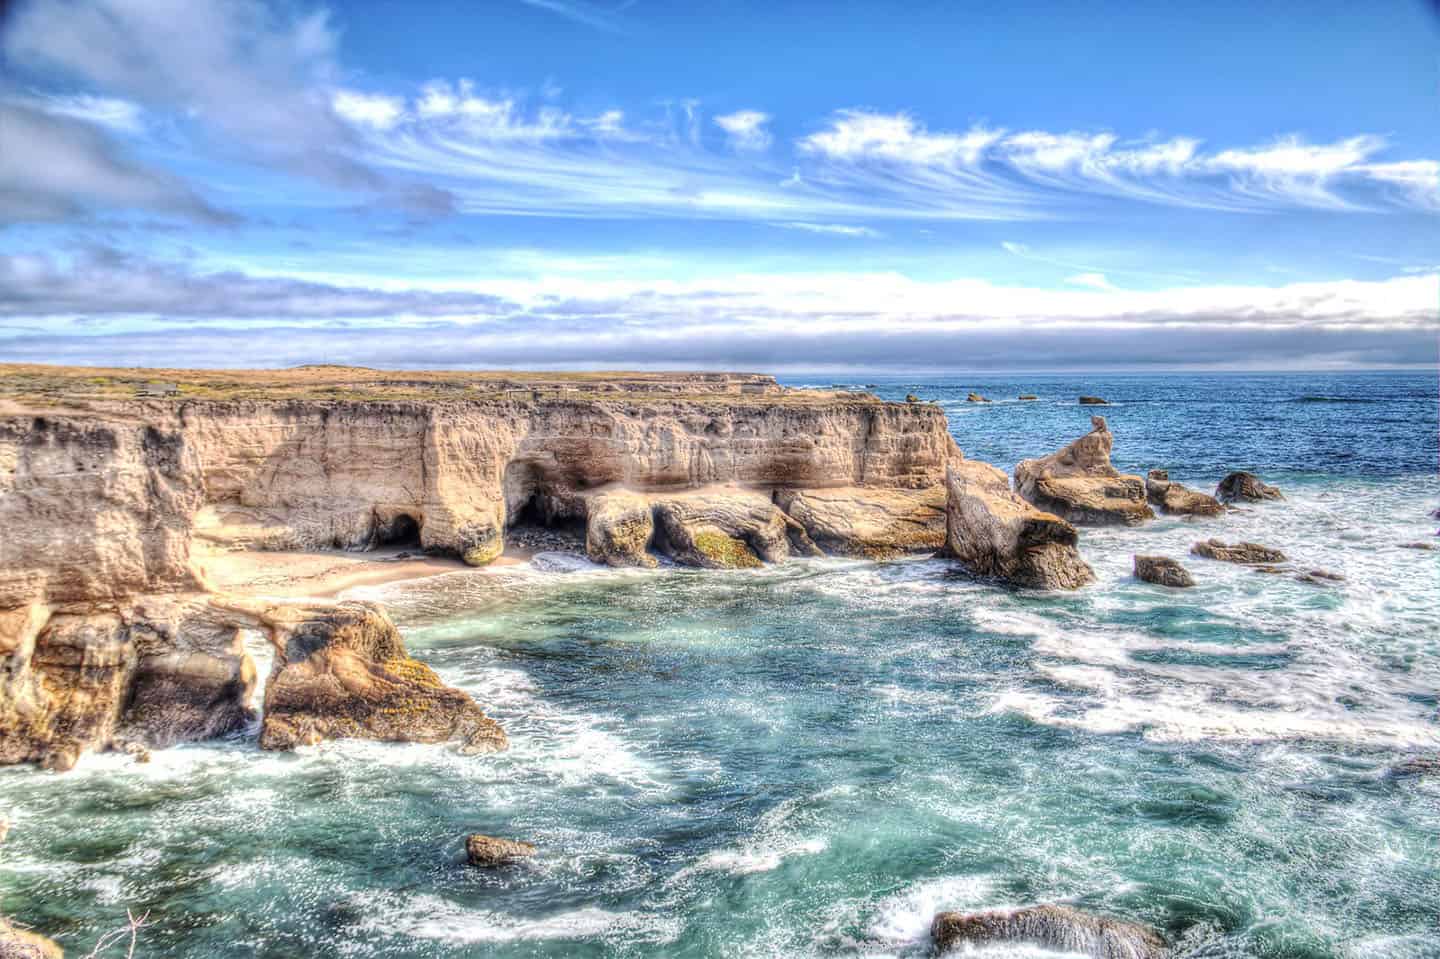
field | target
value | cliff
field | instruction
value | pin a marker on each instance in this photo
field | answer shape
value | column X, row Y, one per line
column 111, row 638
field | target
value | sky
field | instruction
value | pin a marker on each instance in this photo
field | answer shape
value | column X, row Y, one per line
column 763, row 186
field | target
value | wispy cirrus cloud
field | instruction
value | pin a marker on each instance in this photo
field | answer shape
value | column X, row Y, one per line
column 745, row 129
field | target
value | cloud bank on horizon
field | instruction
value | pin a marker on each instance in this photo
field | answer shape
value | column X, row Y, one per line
column 224, row 182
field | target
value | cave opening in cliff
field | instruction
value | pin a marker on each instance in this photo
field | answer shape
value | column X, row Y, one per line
column 402, row 531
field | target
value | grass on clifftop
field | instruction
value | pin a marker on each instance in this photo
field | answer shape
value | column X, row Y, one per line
column 39, row 384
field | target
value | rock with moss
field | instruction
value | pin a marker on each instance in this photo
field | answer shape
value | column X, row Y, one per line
column 342, row 672
column 726, row 528
column 867, row 522
column 480, row 544
column 1057, row 928
column 1079, row 485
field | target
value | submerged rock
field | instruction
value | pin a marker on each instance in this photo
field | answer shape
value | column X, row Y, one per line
column 867, row 522
column 1418, row 766
column 1050, row 927
column 342, row 672
column 1245, row 487
column 1093, row 401
column 1175, row 499
column 21, row 944
column 488, row 851
column 1319, row 577
column 1163, row 571
column 995, row 533
column 1079, row 485
column 1418, row 544
column 1246, row 553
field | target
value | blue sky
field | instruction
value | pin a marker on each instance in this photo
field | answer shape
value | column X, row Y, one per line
column 724, row 184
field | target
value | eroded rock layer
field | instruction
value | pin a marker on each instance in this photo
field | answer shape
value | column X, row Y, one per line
column 1078, row 483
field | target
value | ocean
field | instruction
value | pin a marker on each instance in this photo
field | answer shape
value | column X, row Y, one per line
column 814, row 758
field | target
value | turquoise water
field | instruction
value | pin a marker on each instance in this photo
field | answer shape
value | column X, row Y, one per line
column 813, row 759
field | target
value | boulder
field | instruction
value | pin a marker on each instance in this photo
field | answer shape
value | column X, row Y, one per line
column 1093, row 401
column 1051, row 927
column 1247, row 553
column 725, row 528
column 18, row 943
column 1319, row 577
column 1245, row 487
column 1028, row 396
column 1079, row 485
column 911, row 398
column 1175, row 499
column 489, row 852
column 995, row 533
column 975, row 398
column 1163, row 571
column 342, row 672
column 867, row 522
column 618, row 528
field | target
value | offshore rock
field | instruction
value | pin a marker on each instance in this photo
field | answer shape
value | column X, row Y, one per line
column 21, row 944
column 1245, row 487
column 489, row 852
column 1079, row 485
column 1175, row 499
column 1093, row 401
column 342, row 672
column 975, row 398
column 1028, row 396
column 995, row 533
column 1163, row 571
column 1246, row 553
column 1051, row 927
column 869, row 522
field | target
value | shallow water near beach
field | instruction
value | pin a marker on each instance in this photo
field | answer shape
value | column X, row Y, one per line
column 815, row 758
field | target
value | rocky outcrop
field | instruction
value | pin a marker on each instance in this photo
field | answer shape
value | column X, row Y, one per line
column 1093, row 401
column 342, row 672
column 1163, row 571
column 1175, row 499
column 726, row 528
column 975, row 398
column 489, row 852
column 868, row 522
column 1079, row 485
column 1050, row 927
column 1245, row 487
column 995, row 533
column 1028, row 396
column 619, row 528
column 16, row 943
column 1246, row 553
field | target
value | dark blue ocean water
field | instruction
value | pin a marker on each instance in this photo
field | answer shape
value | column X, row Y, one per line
column 814, row 758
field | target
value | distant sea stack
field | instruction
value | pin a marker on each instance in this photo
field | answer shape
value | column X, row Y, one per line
column 1093, row 401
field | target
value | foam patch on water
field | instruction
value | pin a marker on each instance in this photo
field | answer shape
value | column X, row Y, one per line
column 437, row 919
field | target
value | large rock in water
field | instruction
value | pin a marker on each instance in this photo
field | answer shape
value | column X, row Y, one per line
column 868, row 522
column 1050, row 927
column 1247, row 553
column 342, row 672
column 1163, row 571
column 1245, row 487
column 489, row 851
column 726, row 528
column 996, row 533
column 1175, row 499
column 1079, row 485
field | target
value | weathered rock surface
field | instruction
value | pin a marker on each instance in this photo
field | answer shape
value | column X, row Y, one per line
column 1163, row 571
column 1247, row 553
column 725, row 528
column 1246, row 488
column 1050, row 927
column 1093, row 401
column 995, row 533
column 1176, row 499
column 18, row 943
column 489, row 852
column 869, row 522
column 619, row 527
column 1079, row 485
column 342, row 672
column 975, row 398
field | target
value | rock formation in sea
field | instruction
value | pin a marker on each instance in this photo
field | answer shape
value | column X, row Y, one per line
column 1247, row 553
column 975, row 398
column 111, row 637
column 1079, row 485
column 1163, row 571
column 1093, row 401
column 489, row 851
column 1245, row 488
column 995, row 533
column 1178, row 500
column 1058, row 928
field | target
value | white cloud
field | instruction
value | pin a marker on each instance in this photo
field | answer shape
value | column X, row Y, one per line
column 835, row 229
column 122, row 116
column 368, row 109
column 745, row 129
column 1095, row 281
column 860, row 134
